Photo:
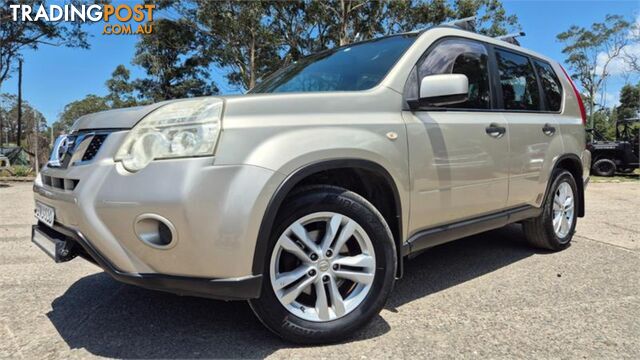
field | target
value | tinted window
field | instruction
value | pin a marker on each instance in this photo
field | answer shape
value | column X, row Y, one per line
column 518, row 82
column 550, row 85
column 457, row 56
column 350, row 68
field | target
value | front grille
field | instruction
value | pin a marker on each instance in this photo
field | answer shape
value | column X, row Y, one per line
column 82, row 146
column 93, row 147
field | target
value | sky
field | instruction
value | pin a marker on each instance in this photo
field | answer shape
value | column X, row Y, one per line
column 56, row 76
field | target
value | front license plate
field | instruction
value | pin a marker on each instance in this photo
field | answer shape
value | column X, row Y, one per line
column 45, row 213
column 45, row 243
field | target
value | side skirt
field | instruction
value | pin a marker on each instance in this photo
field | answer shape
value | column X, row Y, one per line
column 442, row 234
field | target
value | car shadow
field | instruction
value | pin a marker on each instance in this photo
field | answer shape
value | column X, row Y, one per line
column 116, row 320
column 459, row 261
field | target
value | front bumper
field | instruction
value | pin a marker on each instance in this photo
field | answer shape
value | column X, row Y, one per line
column 215, row 210
column 69, row 244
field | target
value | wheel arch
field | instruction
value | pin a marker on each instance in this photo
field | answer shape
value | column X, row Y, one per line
column 298, row 177
column 573, row 164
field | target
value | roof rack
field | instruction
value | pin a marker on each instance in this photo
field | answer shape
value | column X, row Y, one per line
column 511, row 38
column 468, row 23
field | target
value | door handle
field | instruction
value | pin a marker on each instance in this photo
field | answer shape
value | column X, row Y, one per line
column 548, row 130
column 496, row 131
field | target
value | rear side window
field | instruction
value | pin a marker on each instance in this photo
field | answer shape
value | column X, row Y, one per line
column 518, row 82
column 550, row 85
column 458, row 56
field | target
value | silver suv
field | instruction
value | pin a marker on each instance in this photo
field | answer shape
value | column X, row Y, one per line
column 304, row 195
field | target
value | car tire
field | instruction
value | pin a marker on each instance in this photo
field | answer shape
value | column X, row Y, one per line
column 553, row 229
column 303, row 320
column 604, row 167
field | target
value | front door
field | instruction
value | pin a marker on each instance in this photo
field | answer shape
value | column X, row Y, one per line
column 458, row 153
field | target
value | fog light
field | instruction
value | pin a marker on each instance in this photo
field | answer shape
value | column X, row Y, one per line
column 155, row 231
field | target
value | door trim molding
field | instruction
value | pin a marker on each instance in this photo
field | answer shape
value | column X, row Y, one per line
column 431, row 237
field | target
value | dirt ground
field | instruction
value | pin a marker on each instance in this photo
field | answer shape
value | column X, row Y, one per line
column 488, row 296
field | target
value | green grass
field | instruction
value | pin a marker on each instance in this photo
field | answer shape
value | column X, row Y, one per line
column 634, row 177
column 17, row 171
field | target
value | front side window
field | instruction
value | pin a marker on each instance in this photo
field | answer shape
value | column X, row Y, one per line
column 459, row 56
column 518, row 82
column 349, row 68
column 550, row 85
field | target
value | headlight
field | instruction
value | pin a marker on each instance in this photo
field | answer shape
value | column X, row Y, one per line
column 181, row 129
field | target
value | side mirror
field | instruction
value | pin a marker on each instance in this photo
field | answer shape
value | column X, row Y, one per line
column 444, row 89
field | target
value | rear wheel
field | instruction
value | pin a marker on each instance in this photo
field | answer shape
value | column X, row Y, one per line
column 604, row 167
column 330, row 267
column 553, row 229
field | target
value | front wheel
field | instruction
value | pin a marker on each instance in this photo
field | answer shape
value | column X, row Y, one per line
column 330, row 268
column 553, row 229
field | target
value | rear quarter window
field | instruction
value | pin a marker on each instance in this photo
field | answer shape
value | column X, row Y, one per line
column 550, row 85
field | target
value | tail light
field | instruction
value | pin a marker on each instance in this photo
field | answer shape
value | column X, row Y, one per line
column 583, row 112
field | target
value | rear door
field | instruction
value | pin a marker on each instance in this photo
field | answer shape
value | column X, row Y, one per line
column 534, row 133
column 458, row 153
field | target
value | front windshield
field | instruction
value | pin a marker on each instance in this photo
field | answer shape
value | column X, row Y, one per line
column 348, row 68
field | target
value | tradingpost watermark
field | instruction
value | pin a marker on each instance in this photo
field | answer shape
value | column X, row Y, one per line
column 117, row 19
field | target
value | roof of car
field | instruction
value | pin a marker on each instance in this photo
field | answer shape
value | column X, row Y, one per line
column 457, row 31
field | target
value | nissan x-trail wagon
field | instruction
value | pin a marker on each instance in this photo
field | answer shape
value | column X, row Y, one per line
column 304, row 195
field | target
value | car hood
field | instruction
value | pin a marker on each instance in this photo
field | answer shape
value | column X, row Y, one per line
column 124, row 118
column 253, row 105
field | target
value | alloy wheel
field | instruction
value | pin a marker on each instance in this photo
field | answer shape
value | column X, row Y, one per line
column 322, row 266
column 563, row 208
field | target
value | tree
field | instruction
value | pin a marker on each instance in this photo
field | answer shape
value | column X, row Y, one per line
column 251, row 39
column 492, row 19
column 121, row 94
column 72, row 111
column 9, row 117
column 309, row 26
column 7, row 103
column 591, row 51
column 121, row 90
column 633, row 61
column 408, row 15
column 238, row 38
column 604, row 122
column 16, row 36
column 350, row 18
column 175, row 60
column 629, row 101
column 631, row 55
column 297, row 28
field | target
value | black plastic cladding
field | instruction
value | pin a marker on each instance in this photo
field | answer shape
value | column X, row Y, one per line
column 290, row 182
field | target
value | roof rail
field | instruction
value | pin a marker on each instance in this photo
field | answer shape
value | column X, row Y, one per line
column 511, row 38
column 468, row 23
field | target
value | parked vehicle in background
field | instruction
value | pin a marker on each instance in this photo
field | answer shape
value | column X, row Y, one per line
column 4, row 162
column 305, row 195
column 621, row 155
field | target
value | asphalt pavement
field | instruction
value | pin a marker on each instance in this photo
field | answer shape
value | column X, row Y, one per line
column 486, row 296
